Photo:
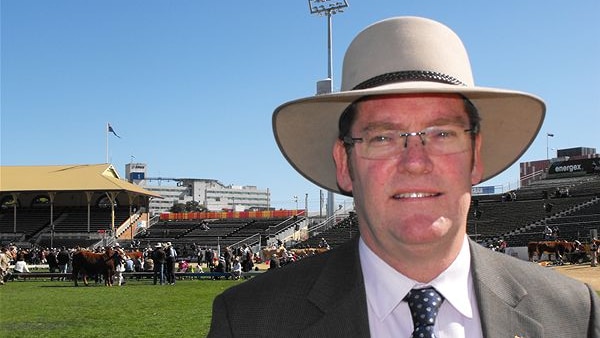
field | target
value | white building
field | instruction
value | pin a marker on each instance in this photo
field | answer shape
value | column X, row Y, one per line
column 210, row 193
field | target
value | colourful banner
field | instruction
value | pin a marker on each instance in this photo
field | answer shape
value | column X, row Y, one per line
column 179, row 216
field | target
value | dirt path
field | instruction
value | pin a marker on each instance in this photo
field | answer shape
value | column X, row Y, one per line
column 582, row 272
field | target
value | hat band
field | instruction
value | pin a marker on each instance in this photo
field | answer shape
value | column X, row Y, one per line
column 408, row 75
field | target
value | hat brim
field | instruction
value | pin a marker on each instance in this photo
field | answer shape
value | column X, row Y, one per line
column 306, row 129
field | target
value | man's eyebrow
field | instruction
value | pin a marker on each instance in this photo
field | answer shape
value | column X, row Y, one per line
column 441, row 121
column 457, row 120
column 381, row 125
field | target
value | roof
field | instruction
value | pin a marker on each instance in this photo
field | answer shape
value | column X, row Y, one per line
column 54, row 178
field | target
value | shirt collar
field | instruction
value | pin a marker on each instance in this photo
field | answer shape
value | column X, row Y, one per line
column 386, row 287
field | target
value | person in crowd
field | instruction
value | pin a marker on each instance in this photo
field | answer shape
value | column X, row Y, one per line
column 4, row 265
column 323, row 244
column 129, row 264
column 247, row 256
column 209, row 256
column 148, row 264
column 236, row 268
column 196, row 268
column 228, row 256
column 548, row 233
column 159, row 258
column 52, row 260
column 64, row 259
column 212, row 255
column 138, row 265
column 200, row 255
column 408, row 136
column 183, row 266
column 119, row 260
column 171, row 254
column 555, row 232
column 219, row 267
column 21, row 265
column 274, row 262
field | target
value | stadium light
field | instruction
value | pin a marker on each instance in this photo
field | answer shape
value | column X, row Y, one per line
column 296, row 200
column 327, row 8
column 306, row 205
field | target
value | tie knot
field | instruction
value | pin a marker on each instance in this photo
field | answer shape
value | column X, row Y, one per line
column 424, row 304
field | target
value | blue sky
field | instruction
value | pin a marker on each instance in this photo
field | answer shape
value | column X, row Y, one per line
column 203, row 78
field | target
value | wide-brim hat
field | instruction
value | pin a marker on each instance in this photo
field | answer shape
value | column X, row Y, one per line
column 405, row 55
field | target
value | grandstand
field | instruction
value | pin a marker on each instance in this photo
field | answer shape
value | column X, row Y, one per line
column 523, row 217
column 70, row 205
column 213, row 233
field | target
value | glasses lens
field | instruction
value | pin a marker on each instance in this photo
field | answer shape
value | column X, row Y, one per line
column 446, row 140
column 437, row 140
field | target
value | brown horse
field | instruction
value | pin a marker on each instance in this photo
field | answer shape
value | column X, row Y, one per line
column 91, row 263
column 557, row 248
column 133, row 254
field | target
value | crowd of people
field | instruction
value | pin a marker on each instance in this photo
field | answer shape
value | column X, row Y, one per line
column 162, row 260
column 57, row 259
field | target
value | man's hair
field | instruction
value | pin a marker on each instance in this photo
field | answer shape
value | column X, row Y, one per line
column 349, row 115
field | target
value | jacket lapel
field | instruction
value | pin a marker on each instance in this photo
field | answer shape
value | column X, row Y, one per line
column 498, row 294
column 339, row 292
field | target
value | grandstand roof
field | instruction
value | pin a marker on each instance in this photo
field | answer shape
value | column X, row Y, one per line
column 78, row 177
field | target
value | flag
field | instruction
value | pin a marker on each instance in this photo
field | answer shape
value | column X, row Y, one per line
column 550, row 135
column 111, row 130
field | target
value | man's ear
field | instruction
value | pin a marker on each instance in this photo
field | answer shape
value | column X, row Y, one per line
column 477, row 168
column 342, row 167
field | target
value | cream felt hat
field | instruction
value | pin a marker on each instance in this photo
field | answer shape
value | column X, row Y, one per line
column 404, row 55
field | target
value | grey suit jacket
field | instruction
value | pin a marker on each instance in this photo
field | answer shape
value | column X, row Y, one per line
column 324, row 296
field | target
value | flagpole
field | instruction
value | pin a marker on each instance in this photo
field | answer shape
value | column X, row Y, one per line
column 106, row 129
column 548, row 136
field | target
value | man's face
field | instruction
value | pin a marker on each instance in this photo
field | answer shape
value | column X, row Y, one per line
column 414, row 199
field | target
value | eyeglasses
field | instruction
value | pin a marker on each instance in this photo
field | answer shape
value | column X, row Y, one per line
column 386, row 143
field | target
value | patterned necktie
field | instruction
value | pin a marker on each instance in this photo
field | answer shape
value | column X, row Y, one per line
column 424, row 305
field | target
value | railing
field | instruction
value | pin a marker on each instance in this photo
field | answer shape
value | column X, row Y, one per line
column 329, row 221
column 248, row 241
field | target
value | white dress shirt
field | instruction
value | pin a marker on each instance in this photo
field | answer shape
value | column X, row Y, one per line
column 389, row 316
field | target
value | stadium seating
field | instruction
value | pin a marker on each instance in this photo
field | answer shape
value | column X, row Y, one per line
column 524, row 218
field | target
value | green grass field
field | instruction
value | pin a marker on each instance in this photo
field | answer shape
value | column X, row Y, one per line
column 137, row 309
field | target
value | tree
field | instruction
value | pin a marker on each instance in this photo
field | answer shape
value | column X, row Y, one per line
column 191, row 206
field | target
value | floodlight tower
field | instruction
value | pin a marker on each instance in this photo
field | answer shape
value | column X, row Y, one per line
column 327, row 8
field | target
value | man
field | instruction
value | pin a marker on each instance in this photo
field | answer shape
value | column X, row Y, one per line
column 159, row 258
column 407, row 137
column 52, row 261
column 171, row 254
column 4, row 265
column 64, row 258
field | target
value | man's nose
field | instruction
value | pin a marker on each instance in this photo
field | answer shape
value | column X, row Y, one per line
column 414, row 157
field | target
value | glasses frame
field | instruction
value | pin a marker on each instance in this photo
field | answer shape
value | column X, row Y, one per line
column 351, row 141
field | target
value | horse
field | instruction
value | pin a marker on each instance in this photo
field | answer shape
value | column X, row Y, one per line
column 133, row 254
column 267, row 253
column 91, row 263
column 558, row 248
